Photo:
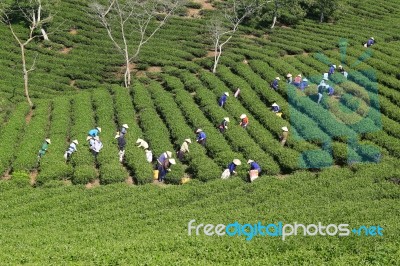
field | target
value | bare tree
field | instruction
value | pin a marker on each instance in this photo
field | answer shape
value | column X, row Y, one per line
column 223, row 28
column 144, row 17
column 31, row 11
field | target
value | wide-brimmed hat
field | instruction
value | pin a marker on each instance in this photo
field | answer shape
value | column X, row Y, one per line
column 372, row 38
column 274, row 104
column 278, row 78
column 285, row 129
column 99, row 129
column 88, row 137
column 304, row 79
column 226, row 93
column 169, row 154
column 188, row 140
column 116, row 136
column 242, row 116
column 237, row 162
column 340, row 66
column 199, row 130
column 226, row 119
column 125, row 125
column 299, row 75
column 48, row 141
column 172, row 161
column 75, row 141
column 250, row 161
column 289, row 75
column 334, row 66
column 143, row 144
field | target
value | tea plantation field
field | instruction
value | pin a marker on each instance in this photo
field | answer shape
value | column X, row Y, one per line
column 340, row 164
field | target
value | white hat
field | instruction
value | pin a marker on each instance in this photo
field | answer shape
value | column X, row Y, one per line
column 48, row 141
column 372, row 38
column 139, row 140
column 143, row 144
column 116, row 136
column 172, row 161
column 289, row 75
column 75, row 141
column 237, row 162
column 340, row 66
column 88, row 137
column 226, row 119
column 97, row 138
column 250, row 161
column 199, row 130
column 285, row 129
column 169, row 154
column 274, row 104
column 99, row 129
column 278, row 78
column 242, row 116
column 125, row 125
column 188, row 140
column 304, row 79
column 299, row 75
column 334, row 66
column 226, row 93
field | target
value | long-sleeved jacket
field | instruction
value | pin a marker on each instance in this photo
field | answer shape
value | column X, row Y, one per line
column 255, row 166
column 276, row 109
column 244, row 122
column 93, row 132
column 72, row 148
column 331, row 70
column 222, row 100
column 370, row 42
column 97, row 146
column 201, row 136
column 232, row 168
column 184, row 147
column 123, row 131
column 275, row 84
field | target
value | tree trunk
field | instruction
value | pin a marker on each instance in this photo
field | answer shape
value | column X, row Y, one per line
column 26, row 73
column 217, row 59
column 45, row 37
column 127, row 75
column 273, row 22
column 322, row 17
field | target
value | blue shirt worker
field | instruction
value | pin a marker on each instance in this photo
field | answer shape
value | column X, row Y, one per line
column 201, row 137
column 232, row 166
column 254, row 166
column 303, row 84
column 71, row 149
column 123, row 130
column 370, row 42
column 163, row 164
column 331, row 70
column 275, row 108
column 275, row 83
column 224, row 125
column 222, row 100
column 94, row 132
column 331, row 91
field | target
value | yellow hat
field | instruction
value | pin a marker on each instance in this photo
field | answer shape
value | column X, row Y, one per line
column 48, row 141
